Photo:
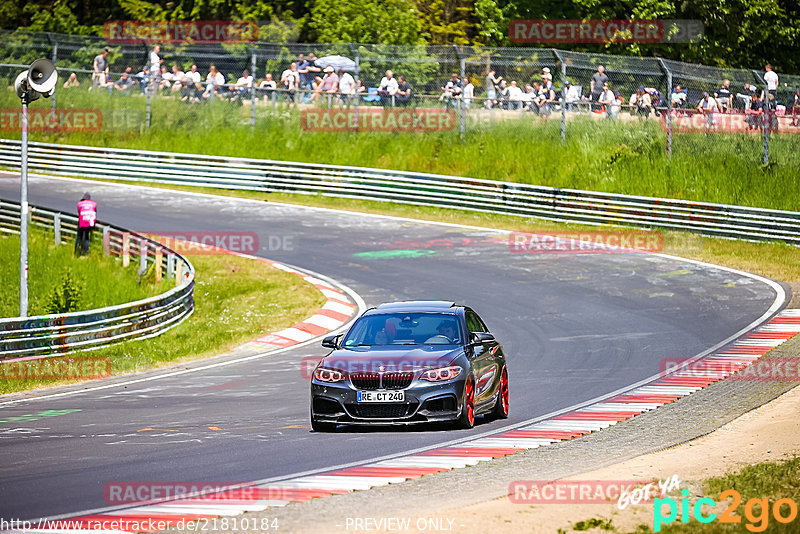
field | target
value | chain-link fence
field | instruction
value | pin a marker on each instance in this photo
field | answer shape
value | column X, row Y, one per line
column 386, row 88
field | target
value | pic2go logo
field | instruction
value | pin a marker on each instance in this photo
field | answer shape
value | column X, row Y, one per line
column 756, row 511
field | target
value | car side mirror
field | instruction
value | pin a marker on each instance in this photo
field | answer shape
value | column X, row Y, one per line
column 479, row 338
column 331, row 342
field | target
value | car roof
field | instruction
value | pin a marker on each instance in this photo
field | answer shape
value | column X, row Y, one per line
column 416, row 306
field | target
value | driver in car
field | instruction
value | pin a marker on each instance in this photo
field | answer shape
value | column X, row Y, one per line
column 448, row 330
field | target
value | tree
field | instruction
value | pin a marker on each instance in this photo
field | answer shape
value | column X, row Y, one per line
column 364, row 21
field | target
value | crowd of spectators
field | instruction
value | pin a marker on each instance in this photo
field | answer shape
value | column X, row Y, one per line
column 305, row 81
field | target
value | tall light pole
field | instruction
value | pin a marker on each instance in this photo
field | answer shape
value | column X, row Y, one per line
column 39, row 80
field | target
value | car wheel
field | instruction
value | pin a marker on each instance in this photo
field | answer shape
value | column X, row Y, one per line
column 500, row 410
column 319, row 426
column 467, row 418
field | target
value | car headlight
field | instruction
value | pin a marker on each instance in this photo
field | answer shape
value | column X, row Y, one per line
column 442, row 373
column 324, row 374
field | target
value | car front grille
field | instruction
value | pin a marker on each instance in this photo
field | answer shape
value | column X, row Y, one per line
column 391, row 380
column 400, row 380
column 365, row 380
column 381, row 411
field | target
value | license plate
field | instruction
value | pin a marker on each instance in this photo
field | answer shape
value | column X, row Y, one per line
column 380, row 396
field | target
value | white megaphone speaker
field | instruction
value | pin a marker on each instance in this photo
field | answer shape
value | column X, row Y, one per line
column 42, row 77
column 22, row 87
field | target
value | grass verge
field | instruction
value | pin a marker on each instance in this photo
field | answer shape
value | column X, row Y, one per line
column 236, row 300
column 622, row 157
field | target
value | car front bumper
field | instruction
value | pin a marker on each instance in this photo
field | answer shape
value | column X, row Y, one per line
column 424, row 402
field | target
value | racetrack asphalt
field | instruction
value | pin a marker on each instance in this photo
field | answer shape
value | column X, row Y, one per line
column 573, row 327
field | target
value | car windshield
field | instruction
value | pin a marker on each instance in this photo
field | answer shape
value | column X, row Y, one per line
column 404, row 329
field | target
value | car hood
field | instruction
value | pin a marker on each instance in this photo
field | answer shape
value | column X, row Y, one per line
column 375, row 359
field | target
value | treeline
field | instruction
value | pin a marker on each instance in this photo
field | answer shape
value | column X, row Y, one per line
column 738, row 33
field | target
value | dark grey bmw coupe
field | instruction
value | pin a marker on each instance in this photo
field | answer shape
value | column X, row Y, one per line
column 410, row 362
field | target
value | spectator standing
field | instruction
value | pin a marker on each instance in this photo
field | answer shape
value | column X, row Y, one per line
column 347, row 87
column 100, row 69
column 469, row 94
column 403, row 91
column 724, row 96
column 796, row 107
column 708, row 106
column 306, row 80
column 387, row 88
column 502, row 94
column 771, row 79
column 155, row 61
column 72, row 81
column 491, row 89
column 290, row 79
column 311, row 76
column 598, row 79
column 87, row 217
column 573, row 96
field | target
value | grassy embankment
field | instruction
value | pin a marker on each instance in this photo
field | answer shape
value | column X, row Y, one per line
column 236, row 299
column 623, row 157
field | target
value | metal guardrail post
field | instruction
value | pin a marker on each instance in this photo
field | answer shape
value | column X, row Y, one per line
column 178, row 273
column 126, row 249
column 106, row 240
column 170, row 265
column 142, row 256
column 668, row 94
column 563, row 96
column 158, row 257
column 57, row 228
column 462, row 64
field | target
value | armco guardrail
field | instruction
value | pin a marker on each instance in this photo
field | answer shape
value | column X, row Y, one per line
column 566, row 205
column 47, row 335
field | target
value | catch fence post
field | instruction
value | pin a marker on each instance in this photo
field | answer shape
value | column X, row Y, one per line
column 668, row 95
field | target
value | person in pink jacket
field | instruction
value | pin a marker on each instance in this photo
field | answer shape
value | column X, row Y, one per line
column 87, row 217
